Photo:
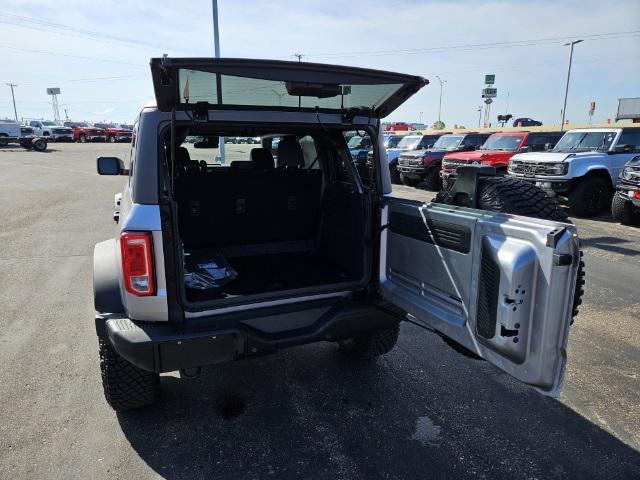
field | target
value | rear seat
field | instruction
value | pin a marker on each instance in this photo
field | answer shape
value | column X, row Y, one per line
column 244, row 206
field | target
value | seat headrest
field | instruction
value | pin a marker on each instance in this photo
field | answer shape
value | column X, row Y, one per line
column 290, row 153
column 262, row 159
column 182, row 157
column 241, row 165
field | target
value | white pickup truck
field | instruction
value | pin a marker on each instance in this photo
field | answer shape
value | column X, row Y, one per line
column 584, row 166
column 50, row 129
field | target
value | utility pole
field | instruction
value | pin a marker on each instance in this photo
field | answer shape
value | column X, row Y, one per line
column 66, row 114
column 216, row 48
column 479, row 115
column 15, row 112
column 442, row 82
column 299, row 55
column 566, row 90
column 420, row 117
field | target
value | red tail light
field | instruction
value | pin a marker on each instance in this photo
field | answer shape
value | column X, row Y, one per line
column 137, row 263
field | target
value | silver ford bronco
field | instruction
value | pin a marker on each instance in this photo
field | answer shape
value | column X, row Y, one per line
column 297, row 243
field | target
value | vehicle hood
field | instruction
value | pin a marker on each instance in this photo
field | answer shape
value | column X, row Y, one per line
column 365, row 91
column 556, row 157
column 430, row 152
column 479, row 155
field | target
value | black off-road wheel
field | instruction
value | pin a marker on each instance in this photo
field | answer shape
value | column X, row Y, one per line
column 589, row 197
column 622, row 211
column 395, row 174
column 432, row 180
column 125, row 386
column 409, row 182
column 370, row 345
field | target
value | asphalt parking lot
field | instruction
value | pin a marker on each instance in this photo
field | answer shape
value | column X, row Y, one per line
column 423, row 411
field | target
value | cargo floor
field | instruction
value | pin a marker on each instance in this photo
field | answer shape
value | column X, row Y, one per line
column 268, row 273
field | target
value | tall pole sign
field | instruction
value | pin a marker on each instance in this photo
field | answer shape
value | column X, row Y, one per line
column 489, row 92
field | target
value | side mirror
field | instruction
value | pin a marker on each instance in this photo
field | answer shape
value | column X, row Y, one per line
column 525, row 149
column 468, row 148
column 111, row 166
column 548, row 146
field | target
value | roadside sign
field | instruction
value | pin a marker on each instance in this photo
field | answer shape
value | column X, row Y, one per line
column 488, row 101
column 490, row 79
column 489, row 92
column 53, row 91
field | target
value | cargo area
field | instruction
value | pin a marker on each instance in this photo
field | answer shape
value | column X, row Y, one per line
column 289, row 218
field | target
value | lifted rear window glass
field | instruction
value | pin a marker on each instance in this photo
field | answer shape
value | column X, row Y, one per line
column 197, row 86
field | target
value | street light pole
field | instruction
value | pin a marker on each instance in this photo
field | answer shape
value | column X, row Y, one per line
column 15, row 112
column 420, row 117
column 566, row 90
column 216, row 47
column 442, row 82
column 479, row 115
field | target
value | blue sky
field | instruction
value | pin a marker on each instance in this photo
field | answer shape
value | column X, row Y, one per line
column 374, row 34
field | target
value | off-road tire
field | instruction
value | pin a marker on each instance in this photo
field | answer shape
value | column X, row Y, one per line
column 589, row 197
column 394, row 174
column 432, row 180
column 622, row 211
column 409, row 182
column 371, row 345
column 125, row 386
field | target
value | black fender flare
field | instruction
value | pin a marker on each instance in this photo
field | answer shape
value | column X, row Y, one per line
column 106, row 287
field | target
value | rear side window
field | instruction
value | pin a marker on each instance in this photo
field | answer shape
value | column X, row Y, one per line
column 632, row 139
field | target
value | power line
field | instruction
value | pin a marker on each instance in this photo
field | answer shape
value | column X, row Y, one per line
column 86, row 80
column 97, row 59
column 480, row 46
column 22, row 21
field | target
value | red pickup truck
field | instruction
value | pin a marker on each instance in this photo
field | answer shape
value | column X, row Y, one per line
column 497, row 150
column 398, row 127
column 117, row 134
column 83, row 132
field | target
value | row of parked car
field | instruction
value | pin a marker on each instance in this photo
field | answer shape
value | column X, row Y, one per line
column 66, row 132
column 584, row 166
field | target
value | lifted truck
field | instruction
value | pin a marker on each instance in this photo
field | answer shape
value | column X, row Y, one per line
column 424, row 165
column 215, row 263
column 584, row 167
column 496, row 152
column 625, row 207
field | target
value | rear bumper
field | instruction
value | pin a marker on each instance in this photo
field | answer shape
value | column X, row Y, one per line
column 165, row 347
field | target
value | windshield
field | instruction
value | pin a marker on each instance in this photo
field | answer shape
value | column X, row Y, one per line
column 357, row 142
column 509, row 143
column 584, row 141
column 448, row 142
column 409, row 143
column 49, row 124
column 392, row 142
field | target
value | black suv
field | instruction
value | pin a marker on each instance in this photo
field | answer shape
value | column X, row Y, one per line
column 424, row 165
column 625, row 207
